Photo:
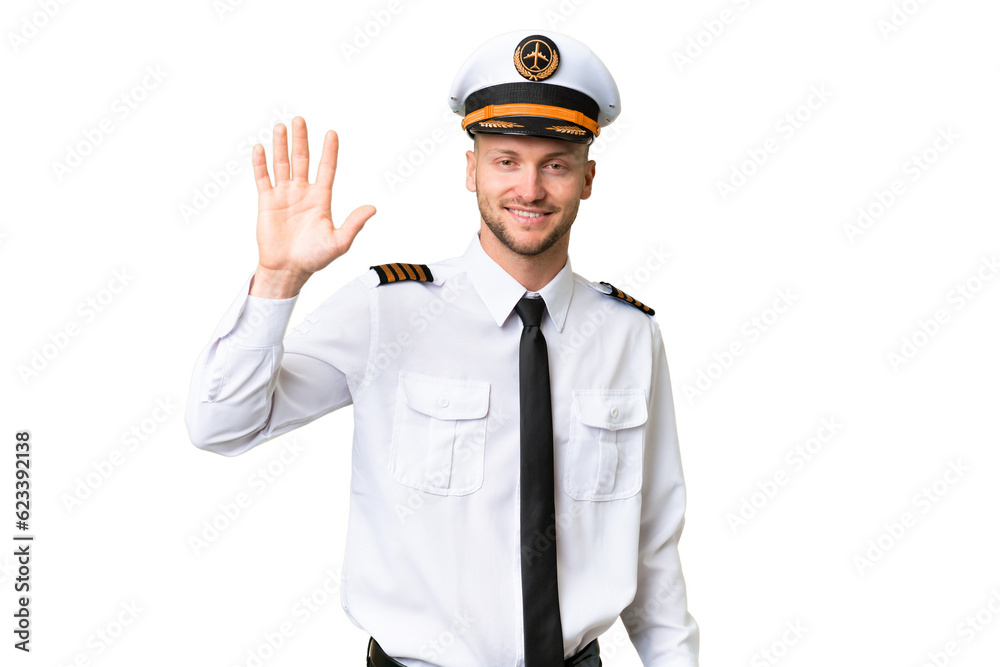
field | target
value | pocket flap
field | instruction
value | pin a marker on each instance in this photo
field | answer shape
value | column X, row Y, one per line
column 445, row 398
column 610, row 408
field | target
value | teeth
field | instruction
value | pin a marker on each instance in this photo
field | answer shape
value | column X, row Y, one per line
column 526, row 214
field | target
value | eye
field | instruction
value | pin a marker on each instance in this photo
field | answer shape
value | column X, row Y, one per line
column 506, row 163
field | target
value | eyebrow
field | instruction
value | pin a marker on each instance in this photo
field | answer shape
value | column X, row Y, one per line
column 514, row 153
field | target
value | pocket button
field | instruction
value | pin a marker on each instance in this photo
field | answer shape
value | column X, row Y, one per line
column 439, row 434
column 605, row 445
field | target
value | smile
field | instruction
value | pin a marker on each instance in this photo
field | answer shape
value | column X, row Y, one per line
column 527, row 215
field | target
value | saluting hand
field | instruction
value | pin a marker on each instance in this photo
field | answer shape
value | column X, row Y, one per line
column 295, row 232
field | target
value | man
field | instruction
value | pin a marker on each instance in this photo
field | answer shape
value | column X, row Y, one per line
column 515, row 460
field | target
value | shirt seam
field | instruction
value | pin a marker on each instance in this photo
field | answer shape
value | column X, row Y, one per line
column 214, row 392
column 372, row 345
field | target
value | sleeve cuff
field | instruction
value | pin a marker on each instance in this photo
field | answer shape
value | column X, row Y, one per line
column 263, row 321
column 254, row 321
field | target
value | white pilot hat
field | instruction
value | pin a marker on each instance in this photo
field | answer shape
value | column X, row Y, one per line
column 538, row 83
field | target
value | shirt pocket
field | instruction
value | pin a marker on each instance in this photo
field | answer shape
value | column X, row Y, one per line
column 439, row 434
column 604, row 454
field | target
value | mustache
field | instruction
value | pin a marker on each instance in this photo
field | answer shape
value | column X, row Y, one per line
column 530, row 205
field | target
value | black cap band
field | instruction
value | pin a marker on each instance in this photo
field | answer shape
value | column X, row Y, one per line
column 532, row 93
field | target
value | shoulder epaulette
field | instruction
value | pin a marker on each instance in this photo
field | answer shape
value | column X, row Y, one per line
column 392, row 273
column 618, row 294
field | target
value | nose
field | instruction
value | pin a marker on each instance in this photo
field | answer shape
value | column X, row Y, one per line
column 529, row 185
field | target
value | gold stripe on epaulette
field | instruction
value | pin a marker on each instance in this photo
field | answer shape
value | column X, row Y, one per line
column 399, row 271
column 618, row 294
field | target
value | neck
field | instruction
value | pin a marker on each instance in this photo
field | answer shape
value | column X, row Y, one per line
column 533, row 272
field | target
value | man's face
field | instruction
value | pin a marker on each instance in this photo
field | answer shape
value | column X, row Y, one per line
column 528, row 188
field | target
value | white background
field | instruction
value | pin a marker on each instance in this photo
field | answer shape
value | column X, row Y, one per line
column 227, row 73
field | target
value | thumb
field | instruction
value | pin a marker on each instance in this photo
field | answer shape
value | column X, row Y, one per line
column 353, row 224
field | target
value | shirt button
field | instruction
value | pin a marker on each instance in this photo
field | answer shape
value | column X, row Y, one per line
column 443, row 402
column 614, row 413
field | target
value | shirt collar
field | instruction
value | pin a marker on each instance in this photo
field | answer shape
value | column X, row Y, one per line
column 500, row 291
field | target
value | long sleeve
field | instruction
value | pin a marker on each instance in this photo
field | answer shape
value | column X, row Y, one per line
column 659, row 625
column 250, row 386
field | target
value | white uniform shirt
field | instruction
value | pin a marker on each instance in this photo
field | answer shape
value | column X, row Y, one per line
column 433, row 533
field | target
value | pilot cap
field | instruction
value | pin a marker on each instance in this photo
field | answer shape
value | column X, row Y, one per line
column 536, row 83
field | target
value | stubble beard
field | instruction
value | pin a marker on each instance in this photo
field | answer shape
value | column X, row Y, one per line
column 492, row 218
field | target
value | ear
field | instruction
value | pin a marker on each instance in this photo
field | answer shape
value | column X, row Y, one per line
column 470, row 171
column 588, row 179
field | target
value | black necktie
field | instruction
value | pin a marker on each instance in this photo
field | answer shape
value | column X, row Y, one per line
column 543, row 641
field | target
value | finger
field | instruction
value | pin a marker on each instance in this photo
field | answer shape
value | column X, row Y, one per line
column 300, row 150
column 260, row 176
column 280, row 154
column 355, row 221
column 328, row 161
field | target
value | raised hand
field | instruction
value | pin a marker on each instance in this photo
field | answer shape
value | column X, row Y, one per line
column 295, row 232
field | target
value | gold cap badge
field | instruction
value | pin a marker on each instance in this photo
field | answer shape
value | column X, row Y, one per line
column 536, row 58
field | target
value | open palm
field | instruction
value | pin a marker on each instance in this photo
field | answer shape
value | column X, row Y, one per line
column 295, row 231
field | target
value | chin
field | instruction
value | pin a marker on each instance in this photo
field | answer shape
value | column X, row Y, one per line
column 528, row 243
